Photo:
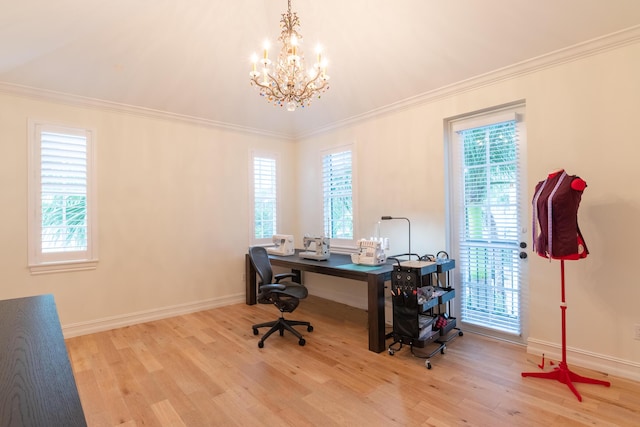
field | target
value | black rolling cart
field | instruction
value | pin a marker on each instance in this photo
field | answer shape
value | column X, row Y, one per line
column 421, row 295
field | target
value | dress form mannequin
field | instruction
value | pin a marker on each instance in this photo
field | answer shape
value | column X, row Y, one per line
column 555, row 208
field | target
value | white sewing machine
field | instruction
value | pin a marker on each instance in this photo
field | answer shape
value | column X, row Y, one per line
column 319, row 252
column 283, row 245
column 371, row 253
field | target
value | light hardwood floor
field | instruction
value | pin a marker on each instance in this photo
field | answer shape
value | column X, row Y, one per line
column 205, row 369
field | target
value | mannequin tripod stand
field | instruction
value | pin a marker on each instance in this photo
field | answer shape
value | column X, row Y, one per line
column 562, row 373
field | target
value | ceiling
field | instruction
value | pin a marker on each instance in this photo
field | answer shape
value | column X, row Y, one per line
column 192, row 57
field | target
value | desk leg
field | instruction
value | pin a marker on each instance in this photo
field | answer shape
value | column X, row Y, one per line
column 250, row 281
column 375, row 285
column 297, row 278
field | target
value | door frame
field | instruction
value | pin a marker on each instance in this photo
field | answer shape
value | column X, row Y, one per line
column 477, row 119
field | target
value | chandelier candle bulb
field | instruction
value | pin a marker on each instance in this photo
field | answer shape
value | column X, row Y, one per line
column 254, row 61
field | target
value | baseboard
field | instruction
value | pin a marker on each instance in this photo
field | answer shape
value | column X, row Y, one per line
column 120, row 321
column 576, row 357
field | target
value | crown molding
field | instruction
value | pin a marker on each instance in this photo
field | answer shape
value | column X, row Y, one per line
column 85, row 102
column 561, row 56
column 573, row 53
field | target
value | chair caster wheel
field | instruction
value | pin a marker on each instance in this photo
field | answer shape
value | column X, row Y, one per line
column 309, row 328
column 391, row 352
column 302, row 342
column 460, row 333
column 427, row 364
column 255, row 331
column 260, row 344
column 443, row 349
column 281, row 332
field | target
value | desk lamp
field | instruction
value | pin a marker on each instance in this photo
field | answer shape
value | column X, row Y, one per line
column 387, row 218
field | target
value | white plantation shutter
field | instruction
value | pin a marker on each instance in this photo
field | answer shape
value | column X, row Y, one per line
column 61, row 199
column 490, row 221
column 264, row 197
column 337, row 185
column 63, row 177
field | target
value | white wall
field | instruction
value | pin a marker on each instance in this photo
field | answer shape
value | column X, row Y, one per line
column 173, row 212
column 582, row 116
column 173, row 204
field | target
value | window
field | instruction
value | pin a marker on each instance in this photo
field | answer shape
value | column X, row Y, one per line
column 490, row 214
column 62, row 228
column 337, row 184
column 265, row 197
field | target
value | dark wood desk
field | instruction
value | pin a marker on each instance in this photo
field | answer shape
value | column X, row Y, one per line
column 340, row 266
column 37, row 387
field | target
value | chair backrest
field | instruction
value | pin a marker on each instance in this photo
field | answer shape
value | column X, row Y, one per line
column 260, row 260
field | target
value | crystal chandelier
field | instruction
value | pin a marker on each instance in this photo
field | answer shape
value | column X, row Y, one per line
column 285, row 81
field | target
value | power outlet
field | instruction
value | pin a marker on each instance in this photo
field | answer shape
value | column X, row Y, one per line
column 637, row 331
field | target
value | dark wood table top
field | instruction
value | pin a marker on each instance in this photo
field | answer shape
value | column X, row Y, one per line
column 337, row 265
column 341, row 265
column 37, row 387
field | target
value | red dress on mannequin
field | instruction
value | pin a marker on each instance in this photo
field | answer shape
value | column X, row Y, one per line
column 555, row 210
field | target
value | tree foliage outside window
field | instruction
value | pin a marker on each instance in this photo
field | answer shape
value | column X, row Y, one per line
column 64, row 223
column 265, row 217
column 490, row 168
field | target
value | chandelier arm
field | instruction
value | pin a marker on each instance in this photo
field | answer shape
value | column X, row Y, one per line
column 268, row 90
column 279, row 89
column 277, row 94
column 305, row 90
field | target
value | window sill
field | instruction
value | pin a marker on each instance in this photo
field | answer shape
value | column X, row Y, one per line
column 63, row 267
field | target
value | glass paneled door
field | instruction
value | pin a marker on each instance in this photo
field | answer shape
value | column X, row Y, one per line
column 488, row 235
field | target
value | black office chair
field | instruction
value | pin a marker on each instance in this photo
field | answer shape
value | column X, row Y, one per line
column 285, row 295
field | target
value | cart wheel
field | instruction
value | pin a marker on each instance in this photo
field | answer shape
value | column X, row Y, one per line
column 460, row 333
column 391, row 352
column 260, row 344
column 255, row 331
column 310, row 328
column 302, row 342
column 427, row 364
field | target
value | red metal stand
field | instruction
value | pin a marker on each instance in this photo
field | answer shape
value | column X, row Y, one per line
column 562, row 373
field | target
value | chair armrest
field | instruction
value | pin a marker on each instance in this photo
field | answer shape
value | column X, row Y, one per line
column 272, row 287
column 281, row 276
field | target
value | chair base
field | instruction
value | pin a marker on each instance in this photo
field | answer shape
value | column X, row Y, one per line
column 280, row 325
